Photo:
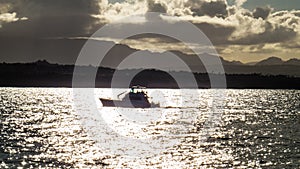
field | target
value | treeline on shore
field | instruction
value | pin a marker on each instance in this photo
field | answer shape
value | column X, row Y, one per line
column 43, row 74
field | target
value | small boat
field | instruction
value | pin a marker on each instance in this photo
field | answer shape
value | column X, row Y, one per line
column 136, row 98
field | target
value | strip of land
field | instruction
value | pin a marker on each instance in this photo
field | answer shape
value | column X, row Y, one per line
column 54, row 75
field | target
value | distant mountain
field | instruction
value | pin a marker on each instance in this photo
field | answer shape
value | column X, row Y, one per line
column 251, row 63
column 293, row 62
column 201, row 63
column 121, row 51
column 231, row 63
column 271, row 61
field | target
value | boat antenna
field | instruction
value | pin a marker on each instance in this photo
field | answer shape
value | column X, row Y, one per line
column 121, row 94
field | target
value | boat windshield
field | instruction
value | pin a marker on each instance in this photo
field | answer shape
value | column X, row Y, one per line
column 136, row 89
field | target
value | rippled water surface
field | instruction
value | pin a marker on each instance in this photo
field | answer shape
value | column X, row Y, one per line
column 258, row 129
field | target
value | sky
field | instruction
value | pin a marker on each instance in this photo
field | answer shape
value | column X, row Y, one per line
column 55, row 30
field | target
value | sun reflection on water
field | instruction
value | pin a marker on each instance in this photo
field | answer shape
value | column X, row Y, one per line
column 259, row 128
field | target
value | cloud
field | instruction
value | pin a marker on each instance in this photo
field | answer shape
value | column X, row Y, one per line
column 51, row 18
column 287, row 19
column 269, row 35
column 9, row 17
column 37, row 8
column 4, row 7
column 211, row 8
column 156, row 7
column 115, row 11
column 34, row 38
column 260, row 12
column 225, row 25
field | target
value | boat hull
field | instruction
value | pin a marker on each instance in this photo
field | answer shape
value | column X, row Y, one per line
column 125, row 104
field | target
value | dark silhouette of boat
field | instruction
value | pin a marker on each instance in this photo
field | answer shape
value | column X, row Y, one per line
column 136, row 98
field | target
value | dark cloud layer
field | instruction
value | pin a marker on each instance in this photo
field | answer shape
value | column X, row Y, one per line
column 260, row 12
column 35, row 8
column 38, row 37
column 49, row 27
column 50, row 22
column 217, row 34
column 50, row 18
column 156, row 7
column 212, row 8
column 271, row 35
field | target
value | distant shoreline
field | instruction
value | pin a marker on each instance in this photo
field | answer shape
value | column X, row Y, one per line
column 59, row 87
column 53, row 75
column 233, row 82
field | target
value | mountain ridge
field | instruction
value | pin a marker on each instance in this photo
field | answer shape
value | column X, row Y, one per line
column 273, row 60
